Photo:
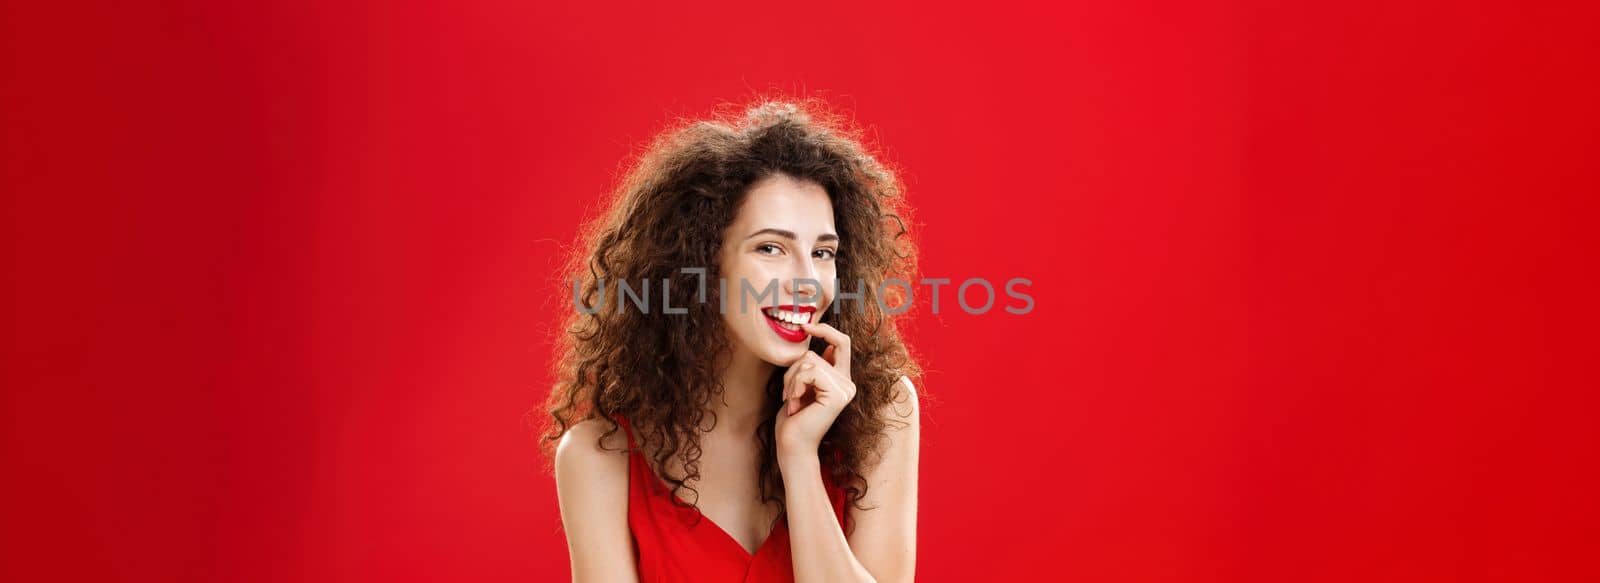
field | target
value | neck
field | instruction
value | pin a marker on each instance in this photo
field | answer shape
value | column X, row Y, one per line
column 744, row 384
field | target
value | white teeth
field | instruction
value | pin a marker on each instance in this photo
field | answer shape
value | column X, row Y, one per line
column 789, row 317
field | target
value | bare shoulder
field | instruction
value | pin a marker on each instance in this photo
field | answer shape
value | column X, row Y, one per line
column 904, row 403
column 885, row 537
column 592, row 484
column 579, row 454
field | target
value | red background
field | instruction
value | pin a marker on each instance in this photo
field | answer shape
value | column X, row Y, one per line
column 1314, row 285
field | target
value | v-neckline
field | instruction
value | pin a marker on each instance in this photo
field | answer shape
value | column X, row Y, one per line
column 720, row 532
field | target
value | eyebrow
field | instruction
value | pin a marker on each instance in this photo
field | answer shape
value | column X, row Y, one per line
column 790, row 235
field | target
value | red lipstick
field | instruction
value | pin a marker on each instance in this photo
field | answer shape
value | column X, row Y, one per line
column 782, row 320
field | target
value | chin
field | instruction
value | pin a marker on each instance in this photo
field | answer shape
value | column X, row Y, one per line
column 783, row 355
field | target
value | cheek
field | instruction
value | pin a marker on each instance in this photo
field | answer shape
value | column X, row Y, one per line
column 735, row 266
column 740, row 326
column 829, row 288
column 732, row 323
column 733, row 273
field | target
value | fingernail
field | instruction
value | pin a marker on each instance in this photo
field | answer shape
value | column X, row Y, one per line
column 805, row 366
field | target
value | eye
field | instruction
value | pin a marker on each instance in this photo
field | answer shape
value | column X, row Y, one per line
column 825, row 254
column 768, row 249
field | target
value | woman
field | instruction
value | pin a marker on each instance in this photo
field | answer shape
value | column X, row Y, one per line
column 753, row 418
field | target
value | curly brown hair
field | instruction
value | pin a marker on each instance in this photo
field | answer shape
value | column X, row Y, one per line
column 656, row 370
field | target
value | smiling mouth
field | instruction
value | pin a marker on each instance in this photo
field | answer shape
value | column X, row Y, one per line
column 786, row 321
column 790, row 319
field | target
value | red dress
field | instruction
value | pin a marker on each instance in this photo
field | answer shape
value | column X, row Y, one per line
column 669, row 546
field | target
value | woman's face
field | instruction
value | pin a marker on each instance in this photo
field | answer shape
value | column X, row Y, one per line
column 782, row 232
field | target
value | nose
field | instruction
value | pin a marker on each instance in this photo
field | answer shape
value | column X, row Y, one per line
column 803, row 285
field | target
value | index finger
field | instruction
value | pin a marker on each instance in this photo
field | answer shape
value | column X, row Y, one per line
column 840, row 342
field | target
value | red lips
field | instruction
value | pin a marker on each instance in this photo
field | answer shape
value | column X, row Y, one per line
column 798, row 335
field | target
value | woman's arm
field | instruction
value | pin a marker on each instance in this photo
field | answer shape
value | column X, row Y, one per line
column 885, row 537
column 883, row 545
column 592, row 485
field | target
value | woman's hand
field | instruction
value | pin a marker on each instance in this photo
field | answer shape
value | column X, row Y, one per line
column 815, row 390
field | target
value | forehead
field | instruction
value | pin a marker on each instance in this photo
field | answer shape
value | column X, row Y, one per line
column 782, row 202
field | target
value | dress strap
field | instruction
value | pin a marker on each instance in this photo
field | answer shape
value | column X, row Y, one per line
column 627, row 428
